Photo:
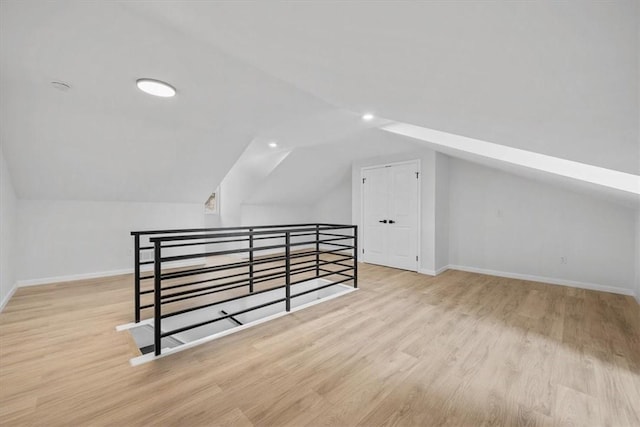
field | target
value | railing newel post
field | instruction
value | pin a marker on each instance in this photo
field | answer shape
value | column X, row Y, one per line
column 136, row 279
column 251, row 260
column 355, row 256
column 288, row 269
column 157, row 297
column 317, row 250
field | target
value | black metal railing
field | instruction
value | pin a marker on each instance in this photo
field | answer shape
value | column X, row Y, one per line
column 255, row 259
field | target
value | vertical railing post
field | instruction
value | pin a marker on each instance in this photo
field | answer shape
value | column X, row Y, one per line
column 251, row 260
column 157, row 297
column 355, row 256
column 317, row 250
column 288, row 269
column 136, row 274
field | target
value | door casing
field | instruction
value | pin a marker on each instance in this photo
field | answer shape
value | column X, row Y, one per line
column 362, row 236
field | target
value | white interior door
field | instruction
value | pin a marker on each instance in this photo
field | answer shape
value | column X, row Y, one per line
column 390, row 215
column 376, row 198
column 403, row 216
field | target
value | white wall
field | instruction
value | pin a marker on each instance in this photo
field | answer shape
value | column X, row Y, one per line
column 68, row 238
column 335, row 206
column 276, row 214
column 505, row 223
column 427, row 204
column 8, row 208
column 638, row 256
column 441, row 212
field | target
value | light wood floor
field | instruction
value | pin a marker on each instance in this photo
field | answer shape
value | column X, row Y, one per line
column 407, row 349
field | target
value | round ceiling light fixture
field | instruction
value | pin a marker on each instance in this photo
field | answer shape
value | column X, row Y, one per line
column 273, row 144
column 156, row 88
column 367, row 117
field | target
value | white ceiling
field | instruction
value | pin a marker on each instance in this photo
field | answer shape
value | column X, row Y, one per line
column 551, row 78
column 558, row 78
column 309, row 172
column 106, row 140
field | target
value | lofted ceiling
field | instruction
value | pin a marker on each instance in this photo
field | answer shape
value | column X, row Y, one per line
column 555, row 78
column 548, row 77
column 319, row 168
column 106, row 140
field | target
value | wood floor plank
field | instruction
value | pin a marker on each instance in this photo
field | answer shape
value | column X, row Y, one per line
column 405, row 349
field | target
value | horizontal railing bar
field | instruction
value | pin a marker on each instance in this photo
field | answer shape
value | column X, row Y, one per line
column 321, row 276
column 240, row 283
column 217, row 290
column 187, row 310
column 308, row 269
column 344, row 236
column 215, row 253
column 211, row 269
column 321, row 287
column 247, row 250
column 230, row 266
column 244, row 233
column 211, row 242
column 305, row 270
column 339, row 262
column 267, row 278
column 222, row 289
column 247, row 279
column 197, row 325
column 340, row 245
column 180, row 245
column 334, row 272
column 200, row 230
column 181, row 285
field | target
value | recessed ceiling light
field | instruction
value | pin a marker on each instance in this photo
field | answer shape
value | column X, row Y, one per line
column 367, row 117
column 156, row 88
column 273, row 145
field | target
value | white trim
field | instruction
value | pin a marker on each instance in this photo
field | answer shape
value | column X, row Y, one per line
column 637, row 295
column 543, row 279
column 85, row 276
column 563, row 167
column 418, row 163
column 132, row 325
column 6, row 299
column 442, row 270
column 169, row 351
column 437, row 272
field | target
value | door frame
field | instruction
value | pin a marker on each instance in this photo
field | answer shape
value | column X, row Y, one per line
column 361, row 238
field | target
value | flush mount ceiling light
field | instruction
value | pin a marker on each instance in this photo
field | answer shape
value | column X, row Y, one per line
column 273, row 145
column 156, row 88
column 367, row 117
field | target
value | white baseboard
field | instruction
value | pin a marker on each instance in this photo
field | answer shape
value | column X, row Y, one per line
column 6, row 299
column 542, row 279
column 433, row 272
column 85, row 276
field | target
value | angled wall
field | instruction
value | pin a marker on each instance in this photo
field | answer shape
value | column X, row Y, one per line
column 8, row 209
column 67, row 240
column 507, row 225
